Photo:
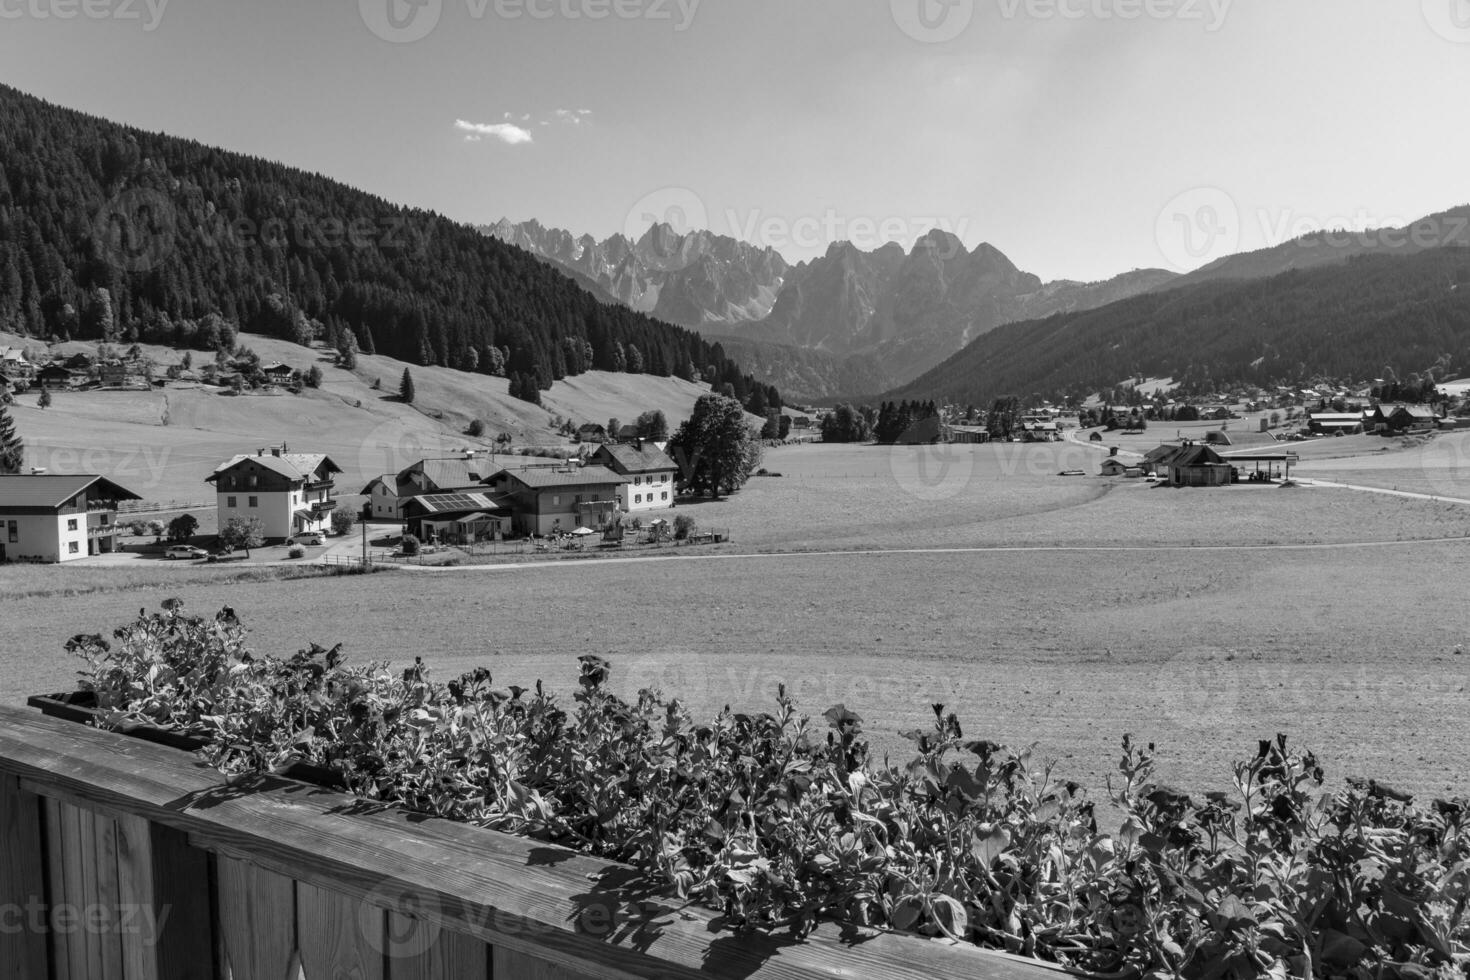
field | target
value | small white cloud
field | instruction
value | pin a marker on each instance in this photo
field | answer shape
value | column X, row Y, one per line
column 574, row 116
column 508, row 133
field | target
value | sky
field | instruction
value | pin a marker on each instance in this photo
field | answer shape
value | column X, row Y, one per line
column 1083, row 138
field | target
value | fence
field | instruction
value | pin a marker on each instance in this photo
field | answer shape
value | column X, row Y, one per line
column 159, row 506
column 124, row 859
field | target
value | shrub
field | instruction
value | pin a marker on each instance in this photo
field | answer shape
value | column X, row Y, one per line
column 137, row 528
column 780, row 822
column 410, row 545
column 182, row 528
column 683, row 527
column 343, row 519
column 297, row 551
column 156, row 528
column 476, row 429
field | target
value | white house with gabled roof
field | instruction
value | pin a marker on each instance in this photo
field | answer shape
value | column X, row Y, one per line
column 290, row 492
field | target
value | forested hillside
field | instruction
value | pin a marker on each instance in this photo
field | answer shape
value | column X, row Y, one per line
column 1370, row 316
column 108, row 232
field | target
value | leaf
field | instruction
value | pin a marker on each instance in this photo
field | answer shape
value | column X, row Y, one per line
column 1341, row 950
column 986, row 849
column 951, row 917
column 906, row 912
column 1237, row 914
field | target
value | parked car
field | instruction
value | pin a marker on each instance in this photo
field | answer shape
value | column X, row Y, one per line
column 187, row 551
column 315, row 539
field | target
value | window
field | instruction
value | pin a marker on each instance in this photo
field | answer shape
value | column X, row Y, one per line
column 231, row 502
column 71, row 525
column 638, row 498
column 666, row 495
column 14, row 532
column 252, row 480
column 254, row 501
column 637, row 481
column 71, row 548
column 556, row 500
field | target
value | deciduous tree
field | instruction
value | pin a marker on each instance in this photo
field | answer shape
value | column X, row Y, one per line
column 715, row 448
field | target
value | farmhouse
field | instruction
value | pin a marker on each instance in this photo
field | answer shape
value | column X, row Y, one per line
column 1197, row 465
column 627, row 432
column 276, row 373
column 59, row 376
column 968, row 434
column 382, row 499
column 13, row 363
column 591, row 432
column 290, row 492
column 550, row 500
column 458, row 518
column 648, row 470
column 58, row 518
column 1113, row 466
column 1156, row 461
column 466, row 471
column 1331, row 423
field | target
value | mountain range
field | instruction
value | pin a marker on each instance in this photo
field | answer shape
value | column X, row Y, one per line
column 1384, row 303
column 850, row 322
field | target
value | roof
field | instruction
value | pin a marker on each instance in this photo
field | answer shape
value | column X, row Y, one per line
column 1162, row 454
column 629, row 458
column 456, row 503
column 388, row 481
column 53, row 491
column 1417, row 411
column 547, row 478
column 293, row 466
column 451, row 474
column 1196, row 455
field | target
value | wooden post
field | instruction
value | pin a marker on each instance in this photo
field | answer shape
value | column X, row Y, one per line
column 22, row 883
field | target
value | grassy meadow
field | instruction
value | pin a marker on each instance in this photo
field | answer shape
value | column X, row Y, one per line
column 1085, row 608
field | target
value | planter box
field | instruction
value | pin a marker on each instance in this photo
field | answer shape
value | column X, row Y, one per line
column 268, row 877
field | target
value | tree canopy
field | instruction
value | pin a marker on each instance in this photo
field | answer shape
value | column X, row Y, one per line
column 715, row 448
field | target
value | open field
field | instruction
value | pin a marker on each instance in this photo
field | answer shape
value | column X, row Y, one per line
column 163, row 443
column 1351, row 654
column 1200, row 619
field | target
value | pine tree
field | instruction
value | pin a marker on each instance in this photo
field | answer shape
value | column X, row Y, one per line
column 405, row 389
column 12, row 450
column 45, row 400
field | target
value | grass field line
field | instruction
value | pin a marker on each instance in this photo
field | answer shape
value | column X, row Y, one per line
column 966, row 550
column 1384, row 490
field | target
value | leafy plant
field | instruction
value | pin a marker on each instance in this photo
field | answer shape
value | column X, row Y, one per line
column 782, row 823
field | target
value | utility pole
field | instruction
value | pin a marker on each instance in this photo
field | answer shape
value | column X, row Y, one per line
column 364, row 545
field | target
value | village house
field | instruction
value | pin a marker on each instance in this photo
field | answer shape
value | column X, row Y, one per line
column 554, row 500
column 1197, row 465
column 58, row 518
column 382, row 499
column 627, row 432
column 1113, row 466
column 14, row 364
column 458, row 518
column 649, row 473
column 1331, row 423
column 1156, row 461
column 446, row 474
column 115, row 373
column 1401, row 418
column 277, row 373
column 591, row 432
column 290, row 492
column 58, row 376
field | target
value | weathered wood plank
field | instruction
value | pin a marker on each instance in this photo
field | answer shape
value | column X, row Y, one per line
column 419, row 950
column 76, row 824
column 56, row 943
column 136, row 892
column 517, row 894
column 23, row 951
column 524, row 967
column 184, row 906
column 338, row 936
column 257, row 910
column 104, row 918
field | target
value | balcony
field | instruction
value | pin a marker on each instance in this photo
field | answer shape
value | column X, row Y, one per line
column 322, row 506
column 326, row 485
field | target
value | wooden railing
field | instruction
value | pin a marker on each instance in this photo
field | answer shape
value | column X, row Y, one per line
column 124, row 859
